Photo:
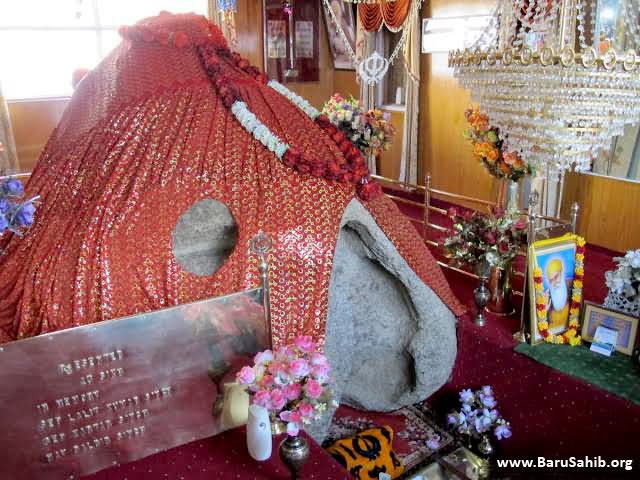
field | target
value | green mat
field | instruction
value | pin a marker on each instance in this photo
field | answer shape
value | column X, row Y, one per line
column 616, row 374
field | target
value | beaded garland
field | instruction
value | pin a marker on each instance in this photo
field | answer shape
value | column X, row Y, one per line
column 570, row 336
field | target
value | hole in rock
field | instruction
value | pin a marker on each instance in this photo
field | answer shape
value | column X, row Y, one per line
column 204, row 237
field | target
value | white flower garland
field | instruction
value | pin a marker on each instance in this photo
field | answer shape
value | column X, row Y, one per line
column 258, row 129
column 304, row 105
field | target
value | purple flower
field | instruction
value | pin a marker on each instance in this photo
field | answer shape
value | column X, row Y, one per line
column 502, row 431
column 482, row 424
column 452, row 419
column 466, row 396
column 3, row 223
column 433, row 443
column 488, row 401
column 486, row 390
column 13, row 187
column 24, row 215
column 492, row 414
column 4, row 205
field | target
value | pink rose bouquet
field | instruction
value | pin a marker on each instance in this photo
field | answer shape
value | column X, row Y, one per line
column 292, row 383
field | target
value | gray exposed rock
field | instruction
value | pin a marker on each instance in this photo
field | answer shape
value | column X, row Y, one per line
column 390, row 339
column 204, row 237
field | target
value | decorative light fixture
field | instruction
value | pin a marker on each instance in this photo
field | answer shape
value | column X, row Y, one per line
column 560, row 78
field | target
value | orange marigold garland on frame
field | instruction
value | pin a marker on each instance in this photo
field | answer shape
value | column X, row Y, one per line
column 570, row 336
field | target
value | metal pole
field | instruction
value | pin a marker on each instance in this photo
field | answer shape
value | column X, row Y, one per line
column 427, row 202
column 575, row 210
column 260, row 245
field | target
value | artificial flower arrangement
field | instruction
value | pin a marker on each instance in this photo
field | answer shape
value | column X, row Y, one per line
column 496, row 238
column 488, row 148
column 478, row 415
column 624, row 284
column 370, row 131
column 15, row 214
column 293, row 383
column 570, row 336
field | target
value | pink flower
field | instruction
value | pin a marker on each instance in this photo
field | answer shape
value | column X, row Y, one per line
column 318, row 359
column 285, row 353
column 278, row 400
column 293, row 429
column 262, row 399
column 305, row 343
column 263, row 357
column 267, row 381
column 276, row 367
column 291, row 417
column 313, row 388
column 306, row 410
column 246, row 376
column 321, row 372
column 299, row 367
column 292, row 391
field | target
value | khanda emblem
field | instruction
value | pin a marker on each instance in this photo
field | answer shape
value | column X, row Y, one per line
column 373, row 68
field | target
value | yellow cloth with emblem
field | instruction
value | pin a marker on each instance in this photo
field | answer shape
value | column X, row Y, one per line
column 367, row 454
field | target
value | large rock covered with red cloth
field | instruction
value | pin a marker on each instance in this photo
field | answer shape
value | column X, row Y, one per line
column 161, row 125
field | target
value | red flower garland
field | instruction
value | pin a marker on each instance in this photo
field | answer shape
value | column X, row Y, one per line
column 351, row 168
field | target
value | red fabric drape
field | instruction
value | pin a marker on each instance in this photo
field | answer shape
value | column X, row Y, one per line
column 393, row 13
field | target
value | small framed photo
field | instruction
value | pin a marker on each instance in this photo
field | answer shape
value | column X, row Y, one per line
column 596, row 315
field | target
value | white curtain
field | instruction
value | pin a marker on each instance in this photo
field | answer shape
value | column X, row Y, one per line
column 409, row 159
column 8, row 158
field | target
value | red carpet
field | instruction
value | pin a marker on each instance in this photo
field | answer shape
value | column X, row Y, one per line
column 551, row 414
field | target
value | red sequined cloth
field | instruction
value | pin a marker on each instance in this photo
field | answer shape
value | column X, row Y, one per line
column 144, row 137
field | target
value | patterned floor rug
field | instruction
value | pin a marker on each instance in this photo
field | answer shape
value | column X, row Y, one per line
column 412, row 427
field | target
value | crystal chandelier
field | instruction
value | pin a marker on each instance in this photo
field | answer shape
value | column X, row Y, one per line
column 559, row 78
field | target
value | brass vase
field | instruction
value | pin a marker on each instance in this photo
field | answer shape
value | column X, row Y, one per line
column 500, row 288
column 294, row 453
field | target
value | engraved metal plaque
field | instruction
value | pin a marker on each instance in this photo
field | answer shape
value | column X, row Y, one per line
column 77, row 401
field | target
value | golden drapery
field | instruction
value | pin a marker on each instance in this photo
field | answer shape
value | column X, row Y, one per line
column 225, row 21
column 392, row 13
column 8, row 159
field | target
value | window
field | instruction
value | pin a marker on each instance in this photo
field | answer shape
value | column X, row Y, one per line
column 42, row 42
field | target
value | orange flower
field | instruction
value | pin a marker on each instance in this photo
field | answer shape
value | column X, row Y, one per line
column 510, row 158
column 487, row 151
column 504, row 167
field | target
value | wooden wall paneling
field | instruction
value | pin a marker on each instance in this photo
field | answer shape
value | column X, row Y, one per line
column 608, row 210
column 389, row 161
column 32, row 122
column 442, row 150
column 345, row 83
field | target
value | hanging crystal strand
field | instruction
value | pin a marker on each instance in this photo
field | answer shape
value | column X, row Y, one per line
column 524, row 22
column 581, row 20
column 490, row 32
column 630, row 14
column 594, row 17
column 551, row 37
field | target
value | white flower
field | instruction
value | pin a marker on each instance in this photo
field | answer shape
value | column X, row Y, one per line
column 348, row 115
column 633, row 257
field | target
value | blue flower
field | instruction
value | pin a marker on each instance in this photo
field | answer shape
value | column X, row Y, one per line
column 5, row 205
column 502, row 431
column 13, row 187
column 466, row 396
column 24, row 215
column 3, row 223
column 486, row 390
